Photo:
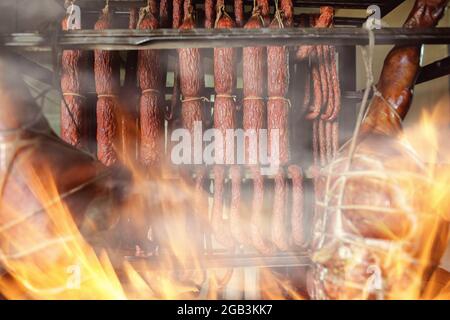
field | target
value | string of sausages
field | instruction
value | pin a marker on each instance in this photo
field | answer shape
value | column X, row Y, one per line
column 322, row 93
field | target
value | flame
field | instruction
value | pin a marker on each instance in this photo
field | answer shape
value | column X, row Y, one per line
column 53, row 259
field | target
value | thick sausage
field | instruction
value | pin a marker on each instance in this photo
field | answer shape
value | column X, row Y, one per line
column 287, row 7
column 298, row 232
column 265, row 10
column 237, row 223
column 239, row 12
column 210, row 13
column 74, row 113
column 254, row 61
column 129, row 100
column 279, row 226
column 177, row 13
column 164, row 16
column 277, row 89
column 107, row 83
column 151, row 111
column 256, row 220
column 224, row 119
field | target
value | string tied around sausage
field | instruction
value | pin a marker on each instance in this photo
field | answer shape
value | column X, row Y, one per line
column 106, row 8
column 155, row 91
column 253, row 98
column 189, row 99
column 279, row 15
column 220, row 13
column 73, row 94
column 378, row 94
column 281, row 98
column 226, row 96
column 107, row 96
column 257, row 12
column 143, row 12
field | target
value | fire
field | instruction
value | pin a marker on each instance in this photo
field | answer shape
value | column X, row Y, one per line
column 54, row 259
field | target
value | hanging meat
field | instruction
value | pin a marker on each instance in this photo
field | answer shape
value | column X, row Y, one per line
column 191, row 85
column 322, row 99
column 264, row 7
column 224, row 119
column 254, row 119
column 40, row 172
column 74, row 108
column 239, row 12
column 107, row 84
column 287, row 7
column 277, row 125
column 150, row 75
column 372, row 232
column 210, row 13
column 129, row 102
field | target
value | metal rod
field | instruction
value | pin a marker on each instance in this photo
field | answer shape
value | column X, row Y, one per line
column 347, row 4
column 225, row 261
column 202, row 38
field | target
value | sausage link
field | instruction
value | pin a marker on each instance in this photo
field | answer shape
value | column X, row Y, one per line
column 210, row 14
column 107, row 83
column 277, row 88
column 177, row 13
column 336, row 85
column 330, row 104
column 265, row 10
column 298, row 232
column 307, row 89
column 224, row 119
column 322, row 144
column 239, row 12
column 316, row 104
column 164, row 16
column 329, row 140
column 129, row 99
column 150, row 76
column 221, row 230
column 323, row 74
column 236, row 220
column 335, row 140
column 254, row 61
column 74, row 113
column 279, row 234
column 287, row 7
column 258, row 239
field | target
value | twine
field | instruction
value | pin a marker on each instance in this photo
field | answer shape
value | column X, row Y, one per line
column 189, row 99
column 142, row 13
column 226, row 96
column 106, row 8
column 252, row 98
column 150, row 91
column 281, row 98
column 73, row 94
column 106, row 96
column 378, row 94
column 278, row 15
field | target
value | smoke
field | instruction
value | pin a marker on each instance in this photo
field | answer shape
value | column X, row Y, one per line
column 24, row 15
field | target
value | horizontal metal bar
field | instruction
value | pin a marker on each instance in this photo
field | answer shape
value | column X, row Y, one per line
column 347, row 4
column 434, row 70
column 125, row 39
column 226, row 261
